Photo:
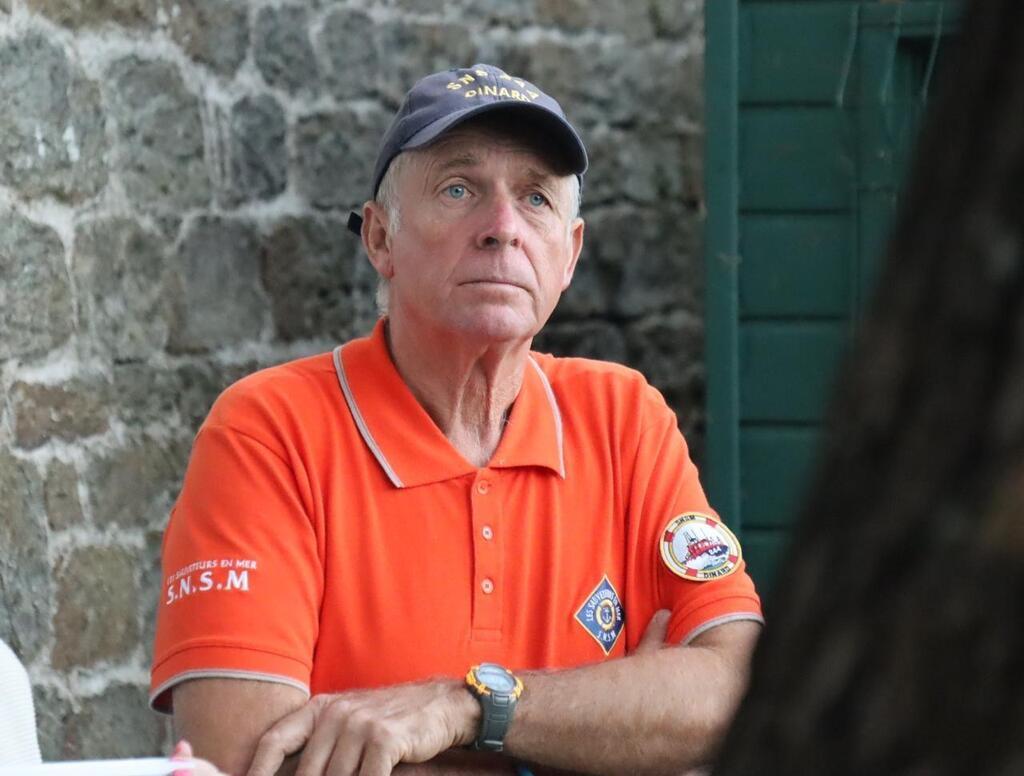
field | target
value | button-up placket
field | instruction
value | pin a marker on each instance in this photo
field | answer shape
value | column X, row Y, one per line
column 488, row 542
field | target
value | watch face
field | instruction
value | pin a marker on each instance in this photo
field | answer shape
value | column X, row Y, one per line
column 495, row 678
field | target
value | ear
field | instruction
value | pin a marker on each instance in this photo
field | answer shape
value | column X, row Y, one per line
column 376, row 239
column 576, row 245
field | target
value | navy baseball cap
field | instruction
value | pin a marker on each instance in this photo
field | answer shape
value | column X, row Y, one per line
column 444, row 100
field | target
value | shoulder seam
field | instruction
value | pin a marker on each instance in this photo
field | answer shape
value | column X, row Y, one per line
column 250, row 437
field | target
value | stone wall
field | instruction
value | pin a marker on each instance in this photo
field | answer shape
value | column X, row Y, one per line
column 174, row 175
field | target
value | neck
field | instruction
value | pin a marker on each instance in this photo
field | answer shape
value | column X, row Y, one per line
column 467, row 387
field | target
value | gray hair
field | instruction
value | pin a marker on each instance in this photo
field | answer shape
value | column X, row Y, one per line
column 387, row 198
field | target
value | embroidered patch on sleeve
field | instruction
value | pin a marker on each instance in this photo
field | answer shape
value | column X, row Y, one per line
column 697, row 547
column 602, row 615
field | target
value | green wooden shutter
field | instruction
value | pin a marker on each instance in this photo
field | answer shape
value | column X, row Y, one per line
column 811, row 113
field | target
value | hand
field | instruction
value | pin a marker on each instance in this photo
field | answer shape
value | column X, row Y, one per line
column 183, row 751
column 654, row 637
column 368, row 732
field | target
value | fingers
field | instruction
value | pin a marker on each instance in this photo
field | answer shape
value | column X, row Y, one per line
column 182, row 751
column 363, row 743
column 367, row 732
column 655, row 634
column 286, row 736
column 329, row 751
column 376, row 762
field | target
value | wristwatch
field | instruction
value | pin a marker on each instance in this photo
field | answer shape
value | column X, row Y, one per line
column 497, row 689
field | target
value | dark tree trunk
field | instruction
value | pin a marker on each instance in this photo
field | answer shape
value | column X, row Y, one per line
column 895, row 642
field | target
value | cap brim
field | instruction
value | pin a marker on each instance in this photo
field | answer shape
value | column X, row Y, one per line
column 571, row 146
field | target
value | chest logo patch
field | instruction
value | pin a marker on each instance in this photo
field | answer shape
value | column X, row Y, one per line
column 697, row 547
column 602, row 615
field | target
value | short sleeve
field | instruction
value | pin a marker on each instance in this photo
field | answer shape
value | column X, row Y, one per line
column 242, row 574
column 665, row 494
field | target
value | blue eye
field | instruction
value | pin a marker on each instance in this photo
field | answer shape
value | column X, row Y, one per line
column 456, row 191
column 538, row 200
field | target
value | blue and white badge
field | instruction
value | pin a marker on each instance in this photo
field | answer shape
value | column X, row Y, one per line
column 602, row 615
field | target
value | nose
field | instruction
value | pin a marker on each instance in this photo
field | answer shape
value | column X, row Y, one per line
column 501, row 225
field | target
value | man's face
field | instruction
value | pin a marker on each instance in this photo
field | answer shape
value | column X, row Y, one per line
column 487, row 241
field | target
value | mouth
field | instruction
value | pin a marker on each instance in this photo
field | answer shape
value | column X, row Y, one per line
column 493, row 282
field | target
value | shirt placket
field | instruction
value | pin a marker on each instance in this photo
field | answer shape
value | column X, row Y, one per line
column 488, row 539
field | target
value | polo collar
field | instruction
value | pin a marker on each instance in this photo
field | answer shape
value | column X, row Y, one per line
column 408, row 445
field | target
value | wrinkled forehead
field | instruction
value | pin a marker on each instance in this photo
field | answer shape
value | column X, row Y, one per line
column 492, row 134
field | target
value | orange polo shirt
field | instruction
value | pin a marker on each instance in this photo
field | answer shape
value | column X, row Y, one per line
column 328, row 536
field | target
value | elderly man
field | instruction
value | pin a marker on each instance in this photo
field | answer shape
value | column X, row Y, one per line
column 448, row 541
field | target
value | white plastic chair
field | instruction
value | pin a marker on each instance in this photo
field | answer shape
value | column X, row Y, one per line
column 19, row 744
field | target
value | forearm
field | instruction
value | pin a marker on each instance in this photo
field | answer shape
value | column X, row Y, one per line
column 224, row 718
column 659, row 712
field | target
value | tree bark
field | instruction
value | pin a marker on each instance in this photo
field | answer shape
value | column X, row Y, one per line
column 895, row 638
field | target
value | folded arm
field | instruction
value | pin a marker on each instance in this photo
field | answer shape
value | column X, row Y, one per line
column 658, row 710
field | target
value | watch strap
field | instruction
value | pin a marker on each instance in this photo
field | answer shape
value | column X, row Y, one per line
column 495, row 717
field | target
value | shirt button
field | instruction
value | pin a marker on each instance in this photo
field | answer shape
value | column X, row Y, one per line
column 482, row 487
column 487, row 586
column 488, row 534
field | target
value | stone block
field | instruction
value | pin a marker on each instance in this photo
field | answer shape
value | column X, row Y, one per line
column 365, row 65
column 689, row 92
column 52, row 137
column 609, row 16
column 485, row 14
column 612, row 81
column 116, row 723
column 135, row 485
column 219, row 301
column 636, row 165
column 590, row 292
column 35, row 293
column 319, row 281
column 669, row 349
column 667, row 346
column 617, row 172
column 351, row 63
column 681, row 19
column 97, row 605
column 202, row 383
column 426, row 47
column 25, row 588
column 147, row 394
column 256, row 163
column 160, row 154
column 557, row 66
column 71, row 410
column 120, row 270
column 60, row 496
column 151, row 587
column 583, row 339
column 90, row 13
column 213, row 32
column 334, row 155
column 283, row 51
column 657, row 253
column 691, row 155
column 53, row 709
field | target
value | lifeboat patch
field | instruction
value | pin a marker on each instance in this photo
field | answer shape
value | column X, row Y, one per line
column 698, row 547
column 602, row 615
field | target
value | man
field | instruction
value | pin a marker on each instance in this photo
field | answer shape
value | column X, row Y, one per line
column 368, row 526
